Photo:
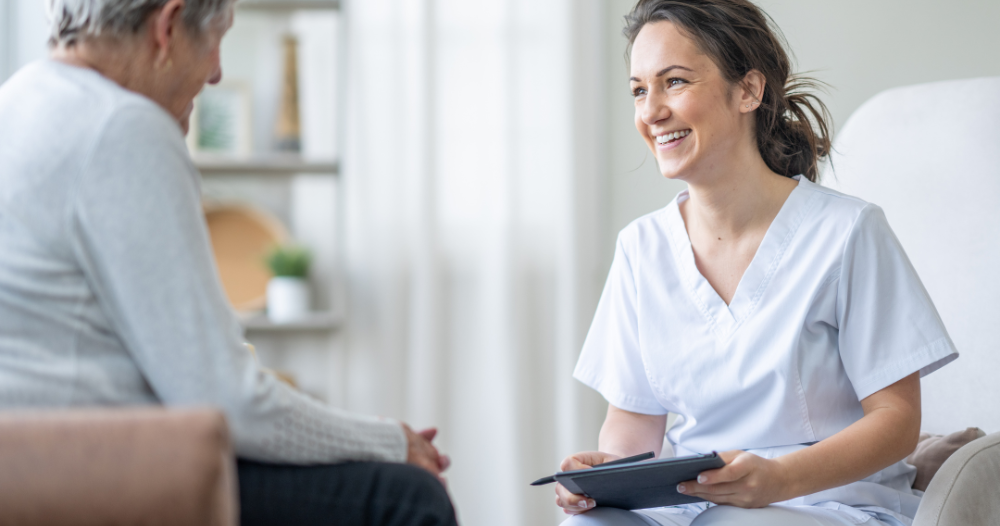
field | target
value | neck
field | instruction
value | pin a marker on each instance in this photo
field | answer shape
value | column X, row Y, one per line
column 743, row 195
column 128, row 64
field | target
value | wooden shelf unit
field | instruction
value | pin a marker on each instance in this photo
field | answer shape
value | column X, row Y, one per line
column 314, row 321
column 263, row 165
column 277, row 5
column 278, row 165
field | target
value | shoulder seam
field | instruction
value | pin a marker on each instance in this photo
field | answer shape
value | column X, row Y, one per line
column 865, row 210
column 840, row 195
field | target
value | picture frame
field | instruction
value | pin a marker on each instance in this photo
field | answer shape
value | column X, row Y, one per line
column 221, row 122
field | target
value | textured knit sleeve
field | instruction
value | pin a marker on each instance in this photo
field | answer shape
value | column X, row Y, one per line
column 140, row 236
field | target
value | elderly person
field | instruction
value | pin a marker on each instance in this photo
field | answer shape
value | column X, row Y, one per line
column 108, row 291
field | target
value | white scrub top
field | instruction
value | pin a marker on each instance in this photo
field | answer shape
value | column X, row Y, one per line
column 829, row 311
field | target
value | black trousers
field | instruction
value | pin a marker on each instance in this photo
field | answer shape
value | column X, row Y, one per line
column 352, row 494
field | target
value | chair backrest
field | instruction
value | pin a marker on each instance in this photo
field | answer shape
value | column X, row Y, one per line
column 929, row 155
column 117, row 466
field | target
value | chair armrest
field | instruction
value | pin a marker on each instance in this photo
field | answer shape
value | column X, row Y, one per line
column 966, row 490
column 119, row 466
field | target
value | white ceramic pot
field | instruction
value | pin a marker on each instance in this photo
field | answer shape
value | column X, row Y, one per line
column 287, row 299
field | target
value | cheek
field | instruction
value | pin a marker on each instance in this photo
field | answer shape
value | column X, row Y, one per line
column 209, row 64
column 693, row 110
column 708, row 116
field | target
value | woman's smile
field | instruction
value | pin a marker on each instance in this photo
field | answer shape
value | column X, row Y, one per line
column 670, row 140
column 677, row 90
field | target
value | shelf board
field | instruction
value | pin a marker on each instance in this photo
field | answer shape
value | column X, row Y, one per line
column 288, row 4
column 263, row 165
column 313, row 322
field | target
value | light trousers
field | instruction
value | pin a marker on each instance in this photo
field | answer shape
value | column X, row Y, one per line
column 726, row 516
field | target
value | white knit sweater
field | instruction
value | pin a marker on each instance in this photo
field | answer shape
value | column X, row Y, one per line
column 108, row 292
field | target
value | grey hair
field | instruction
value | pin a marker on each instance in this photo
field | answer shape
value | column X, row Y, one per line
column 71, row 20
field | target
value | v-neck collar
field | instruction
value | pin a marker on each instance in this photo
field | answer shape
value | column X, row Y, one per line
column 727, row 318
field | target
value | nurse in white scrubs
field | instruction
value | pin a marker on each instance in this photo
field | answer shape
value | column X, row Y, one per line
column 779, row 319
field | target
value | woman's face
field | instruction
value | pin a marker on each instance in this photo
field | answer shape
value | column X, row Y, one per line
column 196, row 62
column 687, row 113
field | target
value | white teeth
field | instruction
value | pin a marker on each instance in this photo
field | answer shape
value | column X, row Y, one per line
column 673, row 136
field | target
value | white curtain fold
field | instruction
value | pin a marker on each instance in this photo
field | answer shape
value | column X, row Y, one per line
column 473, row 174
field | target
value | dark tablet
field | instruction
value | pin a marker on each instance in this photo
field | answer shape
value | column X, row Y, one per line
column 649, row 484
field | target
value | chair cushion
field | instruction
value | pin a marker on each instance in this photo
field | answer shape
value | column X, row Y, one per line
column 119, row 466
column 933, row 450
column 966, row 490
column 941, row 195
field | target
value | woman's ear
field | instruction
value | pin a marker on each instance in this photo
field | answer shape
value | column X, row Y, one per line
column 751, row 91
column 163, row 27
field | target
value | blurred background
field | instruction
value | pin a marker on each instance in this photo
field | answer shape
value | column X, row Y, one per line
column 458, row 171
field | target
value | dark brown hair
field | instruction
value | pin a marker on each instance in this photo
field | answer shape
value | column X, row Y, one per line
column 792, row 129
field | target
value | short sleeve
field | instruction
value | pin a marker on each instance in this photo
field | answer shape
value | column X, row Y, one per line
column 889, row 328
column 611, row 361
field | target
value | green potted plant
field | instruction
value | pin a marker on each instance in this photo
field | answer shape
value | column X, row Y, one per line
column 288, row 290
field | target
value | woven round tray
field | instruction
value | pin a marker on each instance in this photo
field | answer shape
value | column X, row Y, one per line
column 241, row 237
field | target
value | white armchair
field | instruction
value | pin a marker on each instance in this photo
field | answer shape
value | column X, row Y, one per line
column 929, row 155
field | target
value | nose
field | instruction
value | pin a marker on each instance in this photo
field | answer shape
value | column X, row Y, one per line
column 655, row 108
column 216, row 76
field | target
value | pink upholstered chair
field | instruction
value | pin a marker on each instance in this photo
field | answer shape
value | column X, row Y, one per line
column 116, row 466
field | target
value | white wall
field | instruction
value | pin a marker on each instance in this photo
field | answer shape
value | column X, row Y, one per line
column 5, row 45
column 859, row 47
column 23, row 34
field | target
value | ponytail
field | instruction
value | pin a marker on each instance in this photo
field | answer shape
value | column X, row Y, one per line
column 792, row 132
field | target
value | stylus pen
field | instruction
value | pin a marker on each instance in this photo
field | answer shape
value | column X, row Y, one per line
column 549, row 480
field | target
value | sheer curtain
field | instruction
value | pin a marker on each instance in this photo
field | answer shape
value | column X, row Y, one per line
column 23, row 34
column 473, row 184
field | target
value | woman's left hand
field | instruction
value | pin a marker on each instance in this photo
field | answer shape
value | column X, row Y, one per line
column 746, row 481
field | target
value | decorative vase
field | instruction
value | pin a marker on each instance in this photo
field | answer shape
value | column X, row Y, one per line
column 287, row 299
column 288, row 131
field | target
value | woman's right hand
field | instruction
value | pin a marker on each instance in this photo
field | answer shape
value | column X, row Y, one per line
column 571, row 503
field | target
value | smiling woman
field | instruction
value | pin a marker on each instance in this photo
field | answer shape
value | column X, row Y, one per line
column 790, row 126
column 781, row 321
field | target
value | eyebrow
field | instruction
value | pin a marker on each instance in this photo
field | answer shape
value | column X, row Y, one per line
column 666, row 70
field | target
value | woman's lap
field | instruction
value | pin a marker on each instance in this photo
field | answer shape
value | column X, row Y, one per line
column 723, row 516
column 351, row 494
column 616, row 517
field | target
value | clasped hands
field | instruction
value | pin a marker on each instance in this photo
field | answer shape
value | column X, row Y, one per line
column 746, row 481
column 422, row 453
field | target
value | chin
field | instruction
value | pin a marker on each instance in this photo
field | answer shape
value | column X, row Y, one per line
column 185, row 118
column 671, row 174
column 671, row 170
